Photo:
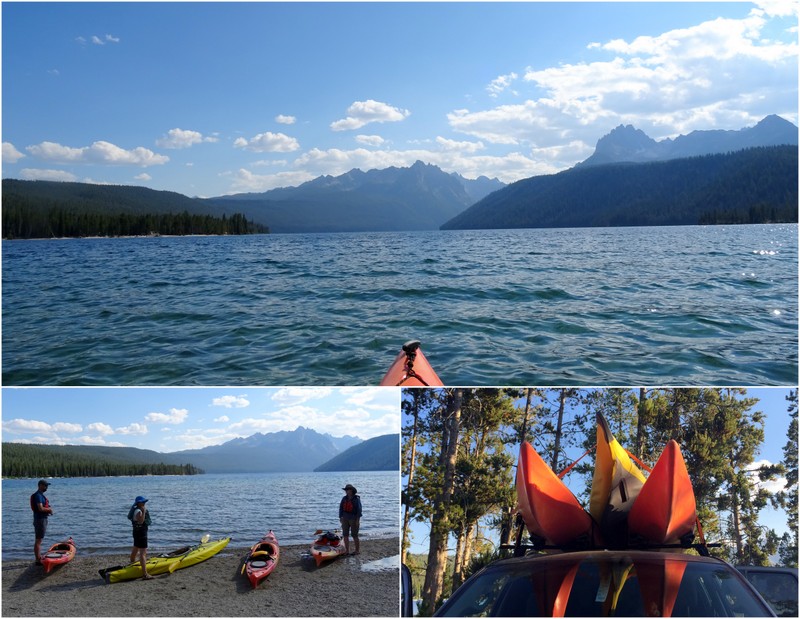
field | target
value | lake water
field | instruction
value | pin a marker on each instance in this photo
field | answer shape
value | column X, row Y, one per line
column 294, row 505
column 612, row 306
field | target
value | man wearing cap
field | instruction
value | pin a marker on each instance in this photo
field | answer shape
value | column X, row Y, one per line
column 41, row 512
column 350, row 517
column 141, row 521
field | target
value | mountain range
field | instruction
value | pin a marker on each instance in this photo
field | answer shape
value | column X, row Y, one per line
column 300, row 450
column 421, row 197
column 631, row 145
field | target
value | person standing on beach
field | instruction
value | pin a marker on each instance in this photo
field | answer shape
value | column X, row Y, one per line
column 140, row 517
column 350, row 517
column 41, row 512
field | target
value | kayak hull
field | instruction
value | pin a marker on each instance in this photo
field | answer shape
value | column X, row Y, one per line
column 326, row 549
column 548, row 507
column 262, row 559
column 406, row 372
column 168, row 562
column 665, row 509
column 59, row 554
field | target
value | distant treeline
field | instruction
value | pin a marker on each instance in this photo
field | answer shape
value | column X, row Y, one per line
column 22, row 221
column 22, row 460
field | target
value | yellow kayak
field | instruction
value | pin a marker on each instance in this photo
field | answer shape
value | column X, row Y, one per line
column 168, row 562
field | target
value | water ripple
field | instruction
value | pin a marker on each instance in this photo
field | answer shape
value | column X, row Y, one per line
column 690, row 305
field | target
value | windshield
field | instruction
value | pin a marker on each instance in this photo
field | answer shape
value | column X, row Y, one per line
column 620, row 586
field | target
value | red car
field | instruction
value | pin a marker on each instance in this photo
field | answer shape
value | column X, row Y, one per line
column 604, row 583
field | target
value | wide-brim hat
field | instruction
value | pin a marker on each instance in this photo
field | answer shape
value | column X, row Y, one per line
column 350, row 487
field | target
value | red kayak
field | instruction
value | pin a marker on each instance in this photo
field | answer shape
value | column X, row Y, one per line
column 262, row 560
column 60, row 553
column 411, row 369
column 548, row 507
column 665, row 509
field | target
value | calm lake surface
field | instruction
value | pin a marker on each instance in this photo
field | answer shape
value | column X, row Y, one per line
column 697, row 305
column 93, row 510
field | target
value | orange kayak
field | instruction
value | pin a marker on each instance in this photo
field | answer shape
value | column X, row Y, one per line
column 411, row 369
column 60, row 553
column 548, row 507
column 326, row 547
column 665, row 509
column 262, row 559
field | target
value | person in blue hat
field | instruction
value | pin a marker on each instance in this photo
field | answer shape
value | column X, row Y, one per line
column 140, row 517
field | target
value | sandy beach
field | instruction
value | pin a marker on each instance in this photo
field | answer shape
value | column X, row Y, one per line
column 345, row 587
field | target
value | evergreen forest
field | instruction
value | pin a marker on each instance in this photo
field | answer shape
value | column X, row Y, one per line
column 460, row 448
column 22, row 222
column 29, row 461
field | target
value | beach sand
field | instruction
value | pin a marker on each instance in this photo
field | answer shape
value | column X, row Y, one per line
column 214, row 588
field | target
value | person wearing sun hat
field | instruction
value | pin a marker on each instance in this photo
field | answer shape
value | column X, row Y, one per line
column 41, row 512
column 140, row 517
column 350, row 517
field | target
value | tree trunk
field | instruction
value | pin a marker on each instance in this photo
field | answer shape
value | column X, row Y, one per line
column 557, row 445
column 412, row 466
column 440, row 525
column 640, row 423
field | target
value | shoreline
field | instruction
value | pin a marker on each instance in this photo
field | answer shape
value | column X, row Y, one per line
column 214, row 588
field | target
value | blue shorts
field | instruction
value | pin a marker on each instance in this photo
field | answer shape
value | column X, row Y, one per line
column 40, row 527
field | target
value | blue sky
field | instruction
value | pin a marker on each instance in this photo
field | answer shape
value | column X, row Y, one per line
column 214, row 98
column 772, row 402
column 172, row 419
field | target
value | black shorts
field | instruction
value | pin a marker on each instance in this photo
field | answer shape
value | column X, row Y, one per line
column 140, row 537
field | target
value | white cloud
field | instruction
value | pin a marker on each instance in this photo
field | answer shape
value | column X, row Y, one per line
column 298, row 395
column 464, row 147
column 370, row 140
column 268, row 142
column 100, row 428
column 500, row 84
column 144, row 176
column 10, row 153
column 97, row 440
column 362, row 113
column 134, row 428
column 244, row 180
column 231, row 401
column 223, row 419
column 183, row 138
column 100, row 152
column 68, row 428
column 36, row 174
column 285, row 120
column 19, row 426
column 175, row 416
column 101, row 40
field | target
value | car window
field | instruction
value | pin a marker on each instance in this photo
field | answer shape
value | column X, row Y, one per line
column 620, row 588
column 777, row 588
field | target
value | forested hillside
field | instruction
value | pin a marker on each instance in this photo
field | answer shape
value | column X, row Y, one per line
column 23, row 460
column 460, row 448
column 43, row 209
column 381, row 453
column 757, row 185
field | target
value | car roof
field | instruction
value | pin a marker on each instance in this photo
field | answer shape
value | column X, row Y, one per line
column 606, row 555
